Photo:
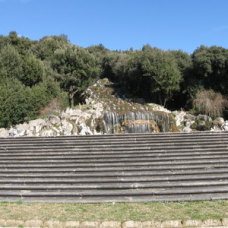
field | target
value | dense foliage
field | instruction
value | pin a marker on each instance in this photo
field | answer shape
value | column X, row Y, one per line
column 35, row 74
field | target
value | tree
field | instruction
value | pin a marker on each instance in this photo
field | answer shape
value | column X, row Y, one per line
column 157, row 70
column 33, row 71
column 10, row 63
column 76, row 69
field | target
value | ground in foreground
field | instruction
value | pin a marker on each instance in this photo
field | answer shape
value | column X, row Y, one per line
column 115, row 212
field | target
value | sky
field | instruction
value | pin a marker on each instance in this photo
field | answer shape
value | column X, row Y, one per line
column 121, row 24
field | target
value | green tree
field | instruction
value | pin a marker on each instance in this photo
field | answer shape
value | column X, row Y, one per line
column 76, row 69
column 33, row 71
column 10, row 63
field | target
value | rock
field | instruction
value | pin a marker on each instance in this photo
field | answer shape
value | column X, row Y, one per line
column 36, row 125
column 203, row 117
column 48, row 133
column 4, row 132
column 54, row 120
column 179, row 117
column 218, row 122
column 189, row 117
column 225, row 126
column 187, row 129
column 66, row 127
column 84, row 130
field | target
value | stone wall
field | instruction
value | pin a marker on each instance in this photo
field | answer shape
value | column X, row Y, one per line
column 116, row 224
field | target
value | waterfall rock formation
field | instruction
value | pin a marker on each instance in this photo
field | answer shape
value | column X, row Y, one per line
column 107, row 111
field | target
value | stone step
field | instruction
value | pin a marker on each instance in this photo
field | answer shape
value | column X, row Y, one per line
column 114, row 143
column 75, row 174
column 113, row 136
column 115, row 168
column 109, row 156
column 63, row 169
column 129, row 160
column 110, row 141
column 122, row 192
column 116, row 179
column 113, row 186
column 150, row 147
column 97, row 154
column 139, row 198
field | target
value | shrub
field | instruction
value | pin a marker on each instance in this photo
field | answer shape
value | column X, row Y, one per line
column 210, row 103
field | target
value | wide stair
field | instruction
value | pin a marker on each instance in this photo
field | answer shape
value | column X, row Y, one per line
column 115, row 168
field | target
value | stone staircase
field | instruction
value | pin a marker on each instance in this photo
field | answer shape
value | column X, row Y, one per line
column 115, row 168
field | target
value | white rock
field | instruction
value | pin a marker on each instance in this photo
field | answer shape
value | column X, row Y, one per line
column 54, row 120
column 179, row 117
column 66, row 127
column 4, row 132
column 48, row 132
column 225, row 126
column 187, row 129
column 84, row 130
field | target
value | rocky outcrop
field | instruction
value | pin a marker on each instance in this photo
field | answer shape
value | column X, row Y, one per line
column 106, row 111
column 187, row 123
column 109, row 111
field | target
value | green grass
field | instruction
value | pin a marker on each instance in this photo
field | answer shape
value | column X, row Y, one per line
column 117, row 211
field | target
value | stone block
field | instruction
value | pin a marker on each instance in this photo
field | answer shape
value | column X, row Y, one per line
column 33, row 223
column 171, row 223
column 2, row 222
column 132, row 224
column 14, row 223
column 53, row 224
column 72, row 224
column 192, row 223
column 211, row 222
column 225, row 221
column 151, row 224
column 89, row 225
column 110, row 224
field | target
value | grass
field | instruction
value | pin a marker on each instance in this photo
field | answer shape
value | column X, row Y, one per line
column 114, row 212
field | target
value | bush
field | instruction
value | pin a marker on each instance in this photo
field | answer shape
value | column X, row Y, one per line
column 210, row 103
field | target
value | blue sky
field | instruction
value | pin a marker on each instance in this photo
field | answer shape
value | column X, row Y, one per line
column 121, row 24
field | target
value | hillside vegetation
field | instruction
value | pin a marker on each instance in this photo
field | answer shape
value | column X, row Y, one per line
column 39, row 77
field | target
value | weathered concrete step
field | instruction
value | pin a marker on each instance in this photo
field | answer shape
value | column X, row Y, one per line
column 113, row 174
column 132, row 153
column 112, row 152
column 123, row 161
column 114, row 186
column 111, row 158
column 101, row 141
column 132, row 179
column 166, row 198
column 62, row 169
column 111, row 193
column 101, row 145
column 116, row 136
column 126, row 148
column 209, row 163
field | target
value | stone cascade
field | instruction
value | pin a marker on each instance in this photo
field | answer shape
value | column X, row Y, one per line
column 137, row 122
column 115, row 168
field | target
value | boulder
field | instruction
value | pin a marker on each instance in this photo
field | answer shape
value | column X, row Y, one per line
column 203, row 117
column 187, row 129
column 66, row 127
column 54, row 120
column 4, row 132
